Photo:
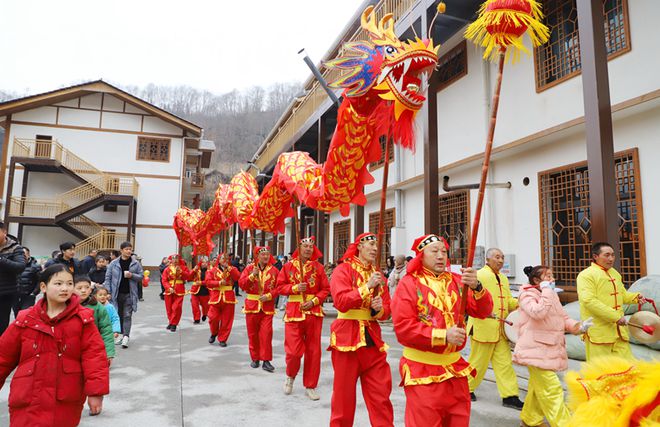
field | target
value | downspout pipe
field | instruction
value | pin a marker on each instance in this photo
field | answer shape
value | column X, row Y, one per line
column 449, row 188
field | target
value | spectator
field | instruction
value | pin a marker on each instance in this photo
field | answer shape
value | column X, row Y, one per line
column 97, row 274
column 28, row 284
column 66, row 257
column 12, row 263
column 54, row 254
column 87, row 263
column 397, row 273
column 32, row 397
column 82, row 287
column 389, row 266
column 122, row 279
column 163, row 265
column 114, row 254
column 102, row 296
column 236, row 262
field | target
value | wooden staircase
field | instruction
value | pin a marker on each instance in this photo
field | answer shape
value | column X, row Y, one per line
column 67, row 209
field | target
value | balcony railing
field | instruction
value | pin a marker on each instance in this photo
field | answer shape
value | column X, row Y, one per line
column 104, row 240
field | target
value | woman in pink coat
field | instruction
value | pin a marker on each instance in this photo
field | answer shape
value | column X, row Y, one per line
column 542, row 348
column 58, row 355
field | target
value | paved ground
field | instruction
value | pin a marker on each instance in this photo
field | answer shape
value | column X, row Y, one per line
column 177, row 379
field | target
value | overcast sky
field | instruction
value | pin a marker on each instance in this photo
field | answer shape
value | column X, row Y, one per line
column 216, row 45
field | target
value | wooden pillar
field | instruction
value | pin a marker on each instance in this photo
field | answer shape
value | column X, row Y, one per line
column 134, row 220
column 244, row 251
column 263, row 238
column 234, row 244
column 320, row 217
column 10, row 185
column 358, row 224
column 431, row 224
column 598, row 124
column 26, row 173
column 3, row 157
column 273, row 245
column 129, row 225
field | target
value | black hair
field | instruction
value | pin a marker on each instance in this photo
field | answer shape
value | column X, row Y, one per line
column 2, row 226
column 91, row 299
column 100, row 257
column 99, row 288
column 535, row 272
column 26, row 248
column 125, row 245
column 49, row 272
column 81, row 278
column 116, row 253
column 67, row 245
column 54, row 254
column 596, row 247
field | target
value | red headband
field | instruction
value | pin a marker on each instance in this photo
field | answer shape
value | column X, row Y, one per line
column 352, row 251
column 317, row 253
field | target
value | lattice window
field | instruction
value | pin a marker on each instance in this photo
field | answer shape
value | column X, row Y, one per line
column 454, row 219
column 566, row 225
column 559, row 59
column 341, row 238
column 381, row 162
column 452, row 66
column 388, row 224
column 154, row 149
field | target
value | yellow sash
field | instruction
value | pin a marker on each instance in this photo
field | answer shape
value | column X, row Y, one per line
column 226, row 288
column 299, row 298
column 355, row 314
column 429, row 357
column 253, row 297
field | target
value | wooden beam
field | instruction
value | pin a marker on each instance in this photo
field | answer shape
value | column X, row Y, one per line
column 598, row 124
column 10, row 185
column 431, row 222
column 358, row 225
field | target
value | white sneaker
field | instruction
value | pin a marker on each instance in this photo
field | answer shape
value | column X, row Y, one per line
column 288, row 385
column 118, row 339
column 311, row 393
column 124, row 341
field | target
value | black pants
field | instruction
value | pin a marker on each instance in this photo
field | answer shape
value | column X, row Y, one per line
column 237, row 289
column 6, row 302
column 139, row 290
column 22, row 301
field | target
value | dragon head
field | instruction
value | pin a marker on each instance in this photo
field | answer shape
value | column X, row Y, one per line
column 394, row 70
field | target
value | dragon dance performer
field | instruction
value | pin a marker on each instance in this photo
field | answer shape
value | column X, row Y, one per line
column 601, row 295
column 425, row 315
column 199, row 293
column 361, row 297
column 174, row 280
column 220, row 283
column 487, row 340
column 258, row 280
column 304, row 281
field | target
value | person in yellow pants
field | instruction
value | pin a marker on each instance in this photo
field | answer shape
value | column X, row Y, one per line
column 601, row 295
column 488, row 344
column 542, row 348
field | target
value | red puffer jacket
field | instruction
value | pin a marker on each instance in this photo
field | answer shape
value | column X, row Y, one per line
column 60, row 362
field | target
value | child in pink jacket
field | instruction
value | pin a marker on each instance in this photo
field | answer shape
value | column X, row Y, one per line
column 542, row 348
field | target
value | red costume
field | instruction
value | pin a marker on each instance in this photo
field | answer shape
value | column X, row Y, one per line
column 199, row 293
column 433, row 373
column 174, row 281
column 220, row 283
column 302, row 329
column 358, row 351
column 258, row 314
column 59, row 362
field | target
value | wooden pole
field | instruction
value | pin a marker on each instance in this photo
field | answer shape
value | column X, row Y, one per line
column 383, row 199
column 482, row 184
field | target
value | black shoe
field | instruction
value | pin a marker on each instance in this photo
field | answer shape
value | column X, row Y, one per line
column 173, row 328
column 267, row 366
column 254, row 364
column 162, row 297
column 473, row 397
column 196, row 322
column 212, row 339
column 169, row 327
column 222, row 343
column 203, row 318
column 141, row 299
column 512, row 402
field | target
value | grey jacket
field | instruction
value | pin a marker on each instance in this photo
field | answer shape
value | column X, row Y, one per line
column 113, row 277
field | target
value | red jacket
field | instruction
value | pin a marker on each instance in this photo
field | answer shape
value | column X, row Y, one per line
column 424, row 307
column 172, row 278
column 220, row 283
column 265, row 284
column 352, row 299
column 318, row 288
column 58, row 363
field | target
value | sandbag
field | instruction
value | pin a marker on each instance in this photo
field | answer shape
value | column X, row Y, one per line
column 576, row 350
column 649, row 286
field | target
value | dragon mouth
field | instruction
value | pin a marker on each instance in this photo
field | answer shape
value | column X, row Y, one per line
column 408, row 78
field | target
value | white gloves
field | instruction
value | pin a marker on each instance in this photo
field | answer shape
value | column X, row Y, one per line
column 586, row 324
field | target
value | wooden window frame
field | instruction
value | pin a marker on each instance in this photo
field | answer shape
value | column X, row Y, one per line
column 389, row 218
column 624, row 180
column 463, row 197
column 343, row 223
column 151, row 139
column 459, row 51
column 380, row 163
column 615, row 53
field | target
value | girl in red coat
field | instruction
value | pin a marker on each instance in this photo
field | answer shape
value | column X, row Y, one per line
column 59, row 358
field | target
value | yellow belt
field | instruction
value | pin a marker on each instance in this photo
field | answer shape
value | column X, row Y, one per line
column 429, row 357
column 299, row 298
column 226, row 288
column 177, row 282
column 253, row 297
column 355, row 314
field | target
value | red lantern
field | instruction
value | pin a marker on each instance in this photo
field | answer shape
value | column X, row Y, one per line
column 508, row 26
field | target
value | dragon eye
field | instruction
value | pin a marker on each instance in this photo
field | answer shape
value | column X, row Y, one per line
column 390, row 50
